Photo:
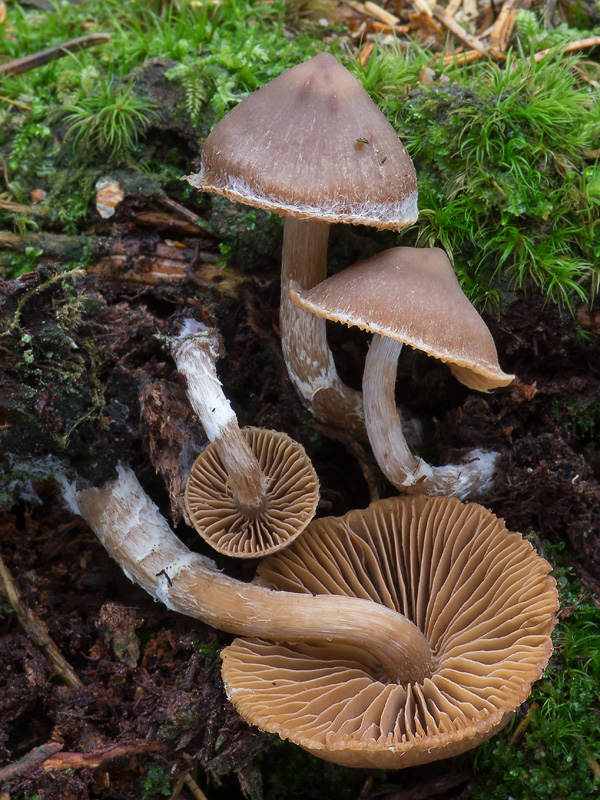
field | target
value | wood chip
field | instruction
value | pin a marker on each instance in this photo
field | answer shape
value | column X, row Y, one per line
column 457, row 30
column 423, row 6
column 453, row 7
column 470, row 11
column 381, row 14
column 503, row 27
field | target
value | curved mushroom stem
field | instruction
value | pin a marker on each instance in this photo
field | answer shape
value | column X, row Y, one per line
column 138, row 537
column 306, row 353
column 195, row 351
column 402, row 467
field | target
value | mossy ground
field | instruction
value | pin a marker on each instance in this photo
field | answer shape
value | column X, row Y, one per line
column 509, row 184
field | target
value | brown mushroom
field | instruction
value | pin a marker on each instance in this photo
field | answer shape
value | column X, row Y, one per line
column 312, row 146
column 251, row 491
column 480, row 595
column 412, row 296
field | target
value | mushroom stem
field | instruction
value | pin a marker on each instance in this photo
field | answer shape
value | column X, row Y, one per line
column 306, row 353
column 195, row 351
column 138, row 537
column 402, row 467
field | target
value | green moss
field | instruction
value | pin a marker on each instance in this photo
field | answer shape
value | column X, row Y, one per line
column 557, row 756
column 155, row 782
column 503, row 179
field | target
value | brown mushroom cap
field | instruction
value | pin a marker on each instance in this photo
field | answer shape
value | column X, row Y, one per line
column 291, row 497
column 312, row 144
column 481, row 595
column 411, row 295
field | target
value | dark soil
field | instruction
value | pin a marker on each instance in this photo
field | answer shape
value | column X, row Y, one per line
column 83, row 375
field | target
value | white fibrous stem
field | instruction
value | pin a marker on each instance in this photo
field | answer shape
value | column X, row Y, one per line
column 407, row 471
column 303, row 335
column 195, row 351
column 139, row 539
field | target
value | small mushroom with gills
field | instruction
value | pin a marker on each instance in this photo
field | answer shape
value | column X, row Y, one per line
column 412, row 296
column 480, row 595
column 312, row 146
column 252, row 490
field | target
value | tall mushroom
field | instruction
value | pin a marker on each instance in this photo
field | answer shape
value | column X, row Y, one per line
column 480, row 595
column 313, row 147
column 252, row 490
column 411, row 296
column 139, row 539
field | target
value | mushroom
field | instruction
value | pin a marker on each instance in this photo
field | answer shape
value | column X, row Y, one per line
column 313, row 147
column 480, row 595
column 411, row 296
column 139, row 539
column 250, row 491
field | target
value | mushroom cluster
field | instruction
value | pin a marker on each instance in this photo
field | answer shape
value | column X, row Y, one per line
column 390, row 637
column 396, row 635
column 312, row 146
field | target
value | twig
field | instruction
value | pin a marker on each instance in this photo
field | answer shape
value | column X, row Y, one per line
column 578, row 44
column 457, row 30
column 96, row 758
column 51, row 53
column 37, row 631
column 520, row 729
column 466, row 57
column 15, row 103
column 34, row 759
column 196, row 791
column 184, row 212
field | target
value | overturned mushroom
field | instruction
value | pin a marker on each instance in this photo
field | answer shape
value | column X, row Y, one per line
column 138, row 537
column 411, row 296
column 480, row 595
column 251, row 491
column 312, row 146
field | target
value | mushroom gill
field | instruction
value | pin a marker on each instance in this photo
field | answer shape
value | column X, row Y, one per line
column 481, row 596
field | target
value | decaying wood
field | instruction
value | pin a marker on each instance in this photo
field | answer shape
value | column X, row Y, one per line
column 148, row 261
column 32, row 761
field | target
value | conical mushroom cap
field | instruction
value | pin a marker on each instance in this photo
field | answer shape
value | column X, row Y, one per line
column 481, row 595
column 312, row 144
column 412, row 295
column 291, row 498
